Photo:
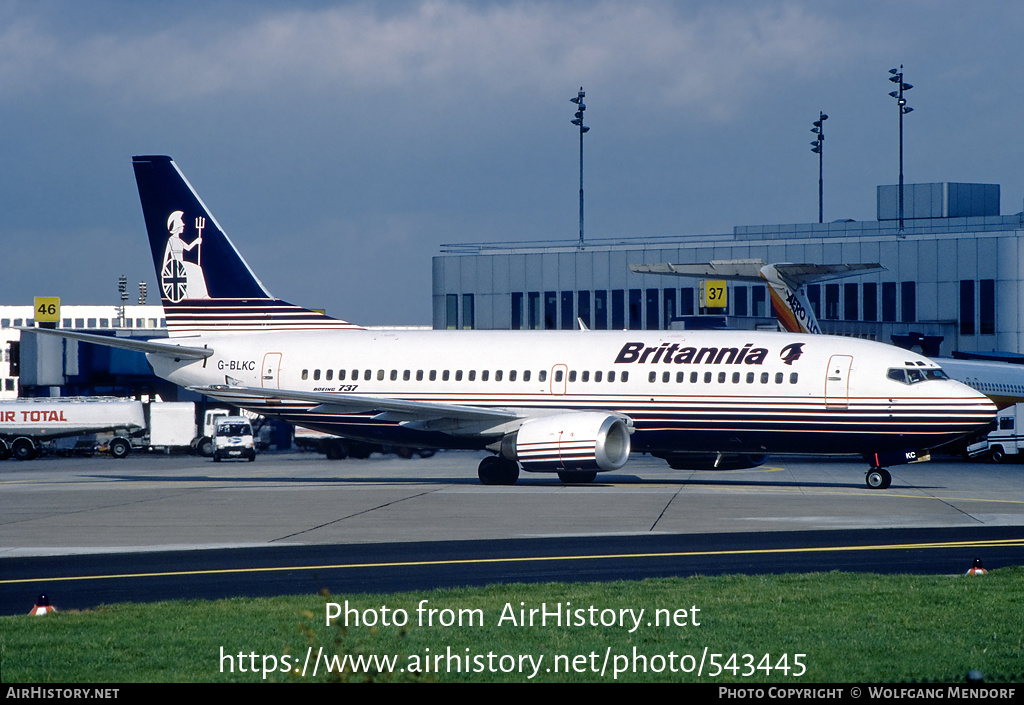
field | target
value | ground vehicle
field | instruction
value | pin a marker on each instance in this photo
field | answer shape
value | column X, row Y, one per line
column 233, row 438
column 1005, row 440
column 27, row 422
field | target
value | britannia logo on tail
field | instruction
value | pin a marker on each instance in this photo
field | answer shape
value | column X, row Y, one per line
column 180, row 277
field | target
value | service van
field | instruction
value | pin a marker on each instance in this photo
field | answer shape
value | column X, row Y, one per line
column 233, row 438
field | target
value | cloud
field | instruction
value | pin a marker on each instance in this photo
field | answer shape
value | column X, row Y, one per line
column 698, row 57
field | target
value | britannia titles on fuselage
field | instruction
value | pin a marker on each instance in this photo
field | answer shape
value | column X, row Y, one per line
column 674, row 354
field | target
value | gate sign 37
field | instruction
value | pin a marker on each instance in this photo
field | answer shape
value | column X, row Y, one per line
column 713, row 294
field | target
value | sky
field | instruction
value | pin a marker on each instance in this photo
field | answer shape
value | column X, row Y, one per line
column 341, row 144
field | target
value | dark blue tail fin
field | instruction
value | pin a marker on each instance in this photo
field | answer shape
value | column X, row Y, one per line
column 205, row 284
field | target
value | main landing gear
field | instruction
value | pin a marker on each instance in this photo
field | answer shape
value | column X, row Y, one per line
column 496, row 470
column 878, row 479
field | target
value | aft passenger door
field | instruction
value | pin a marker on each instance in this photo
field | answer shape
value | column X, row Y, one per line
column 271, row 372
column 837, row 382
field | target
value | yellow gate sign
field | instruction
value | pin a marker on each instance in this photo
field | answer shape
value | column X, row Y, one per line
column 47, row 309
column 713, row 293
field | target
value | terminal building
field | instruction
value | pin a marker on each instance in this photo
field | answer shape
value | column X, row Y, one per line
column 953, row 275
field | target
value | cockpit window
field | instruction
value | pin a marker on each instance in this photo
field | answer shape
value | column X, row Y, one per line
column 913, row 375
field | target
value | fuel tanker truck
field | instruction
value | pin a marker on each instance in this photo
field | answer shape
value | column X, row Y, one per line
column 28, row 422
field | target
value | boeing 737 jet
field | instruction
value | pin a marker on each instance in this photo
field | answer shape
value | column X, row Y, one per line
column 571, row 402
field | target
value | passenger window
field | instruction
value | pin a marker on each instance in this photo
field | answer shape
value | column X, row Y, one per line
column 316, row 374
column 341, row 375
column 611, row 376
column 305, row 374
column 368, row 375
column 433, row 375
column 624, row 377
column 764, row 378
column 778, row 378
column 792, row 377
column 444, row 376
column 484, row 375
column 750, row 378
column 406, row 376
column 707, row 378
column 572, row 375
column 511, row 375
column 586, row 375
column 651, row 376
column 693, row 378
column 472, row 375
column 543, row 376
column 721, row 377
column 597, row 376
column 526, row 375
column 558, row 376
column 329, row 375
column 497, row 375
column 735, row 377
column 458, row 375
column 419, row 375
column 680, row 377
column 666, row 376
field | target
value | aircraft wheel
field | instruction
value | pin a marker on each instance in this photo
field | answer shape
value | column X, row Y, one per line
column 997, row 455
column 120, row 448
column 336, row 450
column 24, row 449
column 878, row 479
column 576, row 478
column 498, row 471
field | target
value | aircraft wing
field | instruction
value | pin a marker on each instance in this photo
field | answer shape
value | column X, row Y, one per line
column 178, row 352
column 395, row 409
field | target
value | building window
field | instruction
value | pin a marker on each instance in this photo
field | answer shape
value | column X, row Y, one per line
column 583, row 307
column 814, row 297
column 686, row 301
column 600, row 310
column 568, row 319
column 759, row 308
column 987, row 304
column 850, row 302
column 550, row 310
column 451, row 311
column 739, row 301
column 908, row 293
column 517, row 310
column 889, row 302
column 533, row 301
column 870, row 301
column 966, row 307
column 652, row 310
column 468, row 312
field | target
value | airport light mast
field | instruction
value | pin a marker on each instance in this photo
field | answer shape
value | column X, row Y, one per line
column 901, row 102
column 818, row 146
column 579, row 121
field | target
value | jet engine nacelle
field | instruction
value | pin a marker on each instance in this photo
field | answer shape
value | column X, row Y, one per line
column 581, row 440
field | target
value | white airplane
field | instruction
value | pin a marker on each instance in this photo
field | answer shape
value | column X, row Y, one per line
column 571, row 402
column 1001, row 382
